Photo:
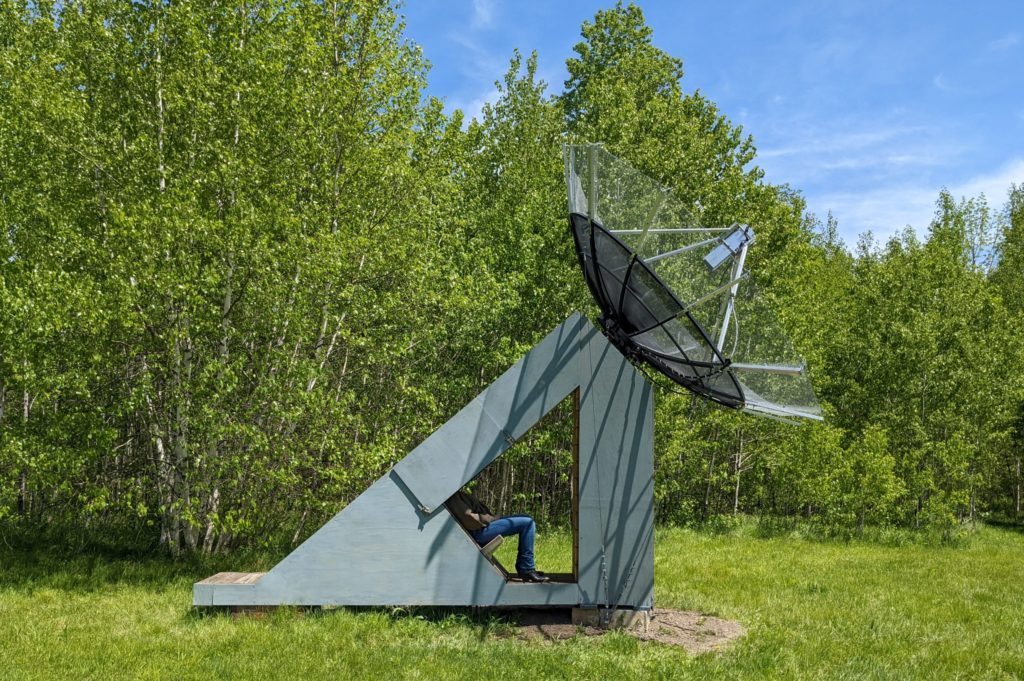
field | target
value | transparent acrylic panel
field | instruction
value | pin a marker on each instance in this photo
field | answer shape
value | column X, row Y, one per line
column 667, row 282
column 647, row 218
column 773, row 375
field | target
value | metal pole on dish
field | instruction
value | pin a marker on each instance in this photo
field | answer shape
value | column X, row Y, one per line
column 592, row 150
column 736, row 273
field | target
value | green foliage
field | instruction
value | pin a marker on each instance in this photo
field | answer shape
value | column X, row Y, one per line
column 246, row 266
column 210, row 326
column 811, row 610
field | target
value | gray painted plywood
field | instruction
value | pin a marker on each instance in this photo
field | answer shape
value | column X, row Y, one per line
column 397, row 545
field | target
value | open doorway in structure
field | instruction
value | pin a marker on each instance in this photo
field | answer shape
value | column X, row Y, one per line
column 538, row 476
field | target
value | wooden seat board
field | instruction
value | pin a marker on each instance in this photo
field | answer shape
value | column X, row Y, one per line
column 234, row 578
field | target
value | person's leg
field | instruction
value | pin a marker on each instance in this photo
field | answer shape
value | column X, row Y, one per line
column 486, row 534
column 524, row 526
column 507, row 526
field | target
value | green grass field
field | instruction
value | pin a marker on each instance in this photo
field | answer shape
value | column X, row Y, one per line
column 824, row 610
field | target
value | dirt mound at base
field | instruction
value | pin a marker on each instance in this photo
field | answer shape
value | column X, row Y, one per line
column 692, row 631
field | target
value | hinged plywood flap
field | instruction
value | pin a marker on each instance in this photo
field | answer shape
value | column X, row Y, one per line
column 482, row 430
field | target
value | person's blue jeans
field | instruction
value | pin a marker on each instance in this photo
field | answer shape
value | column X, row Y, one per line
column 506, row 526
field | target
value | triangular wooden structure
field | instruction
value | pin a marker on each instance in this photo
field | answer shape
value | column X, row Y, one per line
column 397, row 544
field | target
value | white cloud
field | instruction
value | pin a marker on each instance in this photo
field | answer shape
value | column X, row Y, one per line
column 887, row 210
column 483, row 14
column 478, row 59
column 479, row 68
column 1004, row 43
column 940, row 83
column 818, row 143
column 884, row 175
column 993, row 185
column 853, row 153
column 473, row 106
column 883, row 211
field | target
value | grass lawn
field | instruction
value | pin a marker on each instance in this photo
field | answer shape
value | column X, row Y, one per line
column 812, row 609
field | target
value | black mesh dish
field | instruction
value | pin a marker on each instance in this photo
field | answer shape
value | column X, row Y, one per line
column 644, row 319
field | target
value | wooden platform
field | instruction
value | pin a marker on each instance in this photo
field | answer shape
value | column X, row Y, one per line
column 555, row 577
column 234, row 578
column 253, row 577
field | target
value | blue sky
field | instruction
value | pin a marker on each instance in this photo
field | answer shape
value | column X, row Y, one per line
column 868, row 108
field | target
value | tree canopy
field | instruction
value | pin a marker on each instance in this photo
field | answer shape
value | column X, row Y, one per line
column 247, row 264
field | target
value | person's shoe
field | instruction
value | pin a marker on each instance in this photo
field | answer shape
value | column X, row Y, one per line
column 534, row 576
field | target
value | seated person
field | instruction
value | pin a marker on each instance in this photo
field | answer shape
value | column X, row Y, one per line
column 484, row 526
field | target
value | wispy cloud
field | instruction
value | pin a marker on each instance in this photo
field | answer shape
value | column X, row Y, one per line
column 857, row 151
column 479, row 71
column 480, row 64
column 473, row 106
column 887, row 210
column 483, row 14
column 939, row 82
column 819, row 143
column 882, row 211
column 993, row 185
column 479, row 61
column 1005, row 42
column 882, row 176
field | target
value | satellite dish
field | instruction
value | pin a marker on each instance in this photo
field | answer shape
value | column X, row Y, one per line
column 673, row 294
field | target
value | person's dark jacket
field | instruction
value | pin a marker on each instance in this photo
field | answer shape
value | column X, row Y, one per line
column 470, row 511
